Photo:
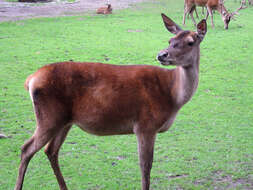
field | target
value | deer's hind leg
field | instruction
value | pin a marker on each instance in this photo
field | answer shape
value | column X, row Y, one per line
column 186, row 11
column 33, row 145
column 52, row 150
column 51, row 118
column 191, row 13
column 196, row 12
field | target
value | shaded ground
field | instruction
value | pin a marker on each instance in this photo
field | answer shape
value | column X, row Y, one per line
column 18, row 11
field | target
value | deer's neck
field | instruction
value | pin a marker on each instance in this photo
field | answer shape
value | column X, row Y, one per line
column 186, row 82
column 222, row 9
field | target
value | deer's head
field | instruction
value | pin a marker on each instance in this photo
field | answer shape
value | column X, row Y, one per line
column 184, row 47
column 109, row 7
column 226, row 16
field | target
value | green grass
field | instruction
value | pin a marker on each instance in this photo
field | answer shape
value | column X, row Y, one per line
column 209, row 146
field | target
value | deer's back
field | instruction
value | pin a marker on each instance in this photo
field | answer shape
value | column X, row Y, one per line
column 92, row 94
column 210, row 3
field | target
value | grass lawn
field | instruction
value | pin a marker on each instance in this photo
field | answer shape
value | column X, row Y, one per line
column 209, row 146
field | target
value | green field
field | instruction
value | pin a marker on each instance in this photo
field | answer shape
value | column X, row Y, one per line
column 209, row 146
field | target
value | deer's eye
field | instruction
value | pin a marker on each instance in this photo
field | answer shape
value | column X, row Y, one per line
column 190, row 43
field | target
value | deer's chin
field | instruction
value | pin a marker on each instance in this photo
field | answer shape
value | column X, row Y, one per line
column 166, row 63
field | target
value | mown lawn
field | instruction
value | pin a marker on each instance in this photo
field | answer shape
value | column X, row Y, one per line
column 209, row 146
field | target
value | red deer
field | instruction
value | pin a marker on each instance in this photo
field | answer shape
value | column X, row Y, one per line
column 3, row 136
column 250, row 2
column 105, row 10
column 105, row 99
column 211, row 5
column 196, row 12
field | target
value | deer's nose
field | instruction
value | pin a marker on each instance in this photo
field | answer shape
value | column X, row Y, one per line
column 162, row 55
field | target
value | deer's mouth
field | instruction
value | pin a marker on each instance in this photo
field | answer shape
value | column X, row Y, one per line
column 167, row 62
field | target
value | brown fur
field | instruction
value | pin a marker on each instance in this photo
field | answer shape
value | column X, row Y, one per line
column 105, row 10
column 75, row 85
column 190, row 6
column 104, row 99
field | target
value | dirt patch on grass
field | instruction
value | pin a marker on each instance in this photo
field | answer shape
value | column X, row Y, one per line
column 11, row 11
column 220, row 181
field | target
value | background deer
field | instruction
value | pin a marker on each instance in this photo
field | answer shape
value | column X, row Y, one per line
column 104, row 99
column 196, row 12
column 211, row 5
column 250, row 2
column 105, row 10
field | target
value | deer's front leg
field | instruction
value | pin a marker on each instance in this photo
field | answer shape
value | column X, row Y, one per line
column 210, row 11
column 146, row 142
column 193, row 20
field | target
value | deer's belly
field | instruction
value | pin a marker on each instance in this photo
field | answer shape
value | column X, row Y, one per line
column 105, row 129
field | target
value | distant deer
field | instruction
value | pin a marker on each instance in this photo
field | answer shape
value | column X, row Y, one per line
column 105, row 99
column 3, row 136
column 250, row 2
column 190, row 6
column 196, row 12
column 105, row 10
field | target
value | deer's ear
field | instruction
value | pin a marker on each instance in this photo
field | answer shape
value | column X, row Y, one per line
column 170, row 25
column 201, row 29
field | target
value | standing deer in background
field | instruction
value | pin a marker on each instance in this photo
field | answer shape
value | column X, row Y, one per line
column 105, row 10
column 250, row 2
column 105, row 99
column 211, row 5
column 196, row 12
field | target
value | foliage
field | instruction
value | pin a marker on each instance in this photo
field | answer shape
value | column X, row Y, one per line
column 209, row 145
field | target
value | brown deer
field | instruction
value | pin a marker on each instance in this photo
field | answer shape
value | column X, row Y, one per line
column 211, row 5
column 105, row 10
column 196, row 12
column 105, row 99
column 250, row 2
